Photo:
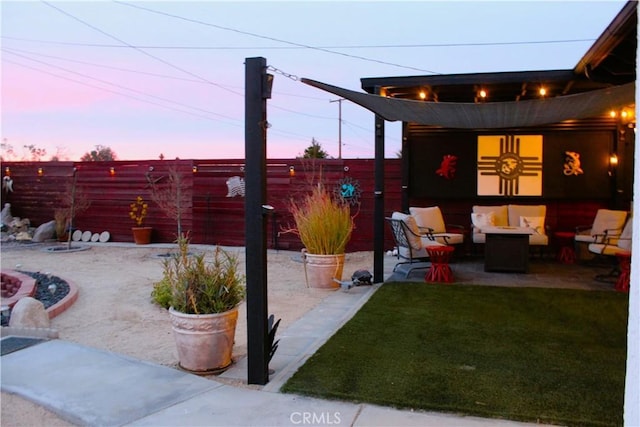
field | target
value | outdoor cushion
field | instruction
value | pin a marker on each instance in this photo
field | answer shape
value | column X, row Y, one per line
column 534, row 222
column 607, row 219
column 500, row 212
column 517, row 211
column 615, row 245
column 430, row 217
column 414, row 237
column 480, row 220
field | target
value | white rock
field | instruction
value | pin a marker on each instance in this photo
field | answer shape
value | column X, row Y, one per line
column 29, row 313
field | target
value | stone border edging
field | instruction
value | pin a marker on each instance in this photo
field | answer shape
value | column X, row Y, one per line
column 57, row 308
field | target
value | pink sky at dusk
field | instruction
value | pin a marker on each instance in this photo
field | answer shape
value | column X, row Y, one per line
column 71, row 79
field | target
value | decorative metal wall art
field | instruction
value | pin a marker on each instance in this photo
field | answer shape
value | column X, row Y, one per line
column 235, row 186
column 510, row 165
column 572, row 164
column 348, row 190
column 447, row 168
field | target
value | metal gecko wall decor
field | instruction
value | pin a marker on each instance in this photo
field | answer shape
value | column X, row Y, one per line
column 572, row 164
column 348, row 190
column 447, row 168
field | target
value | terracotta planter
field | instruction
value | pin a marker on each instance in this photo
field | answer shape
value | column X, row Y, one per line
column 320, row 270
column 141, row 235
column 204, row 341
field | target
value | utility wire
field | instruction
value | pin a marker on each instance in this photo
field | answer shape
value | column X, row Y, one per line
column 145, row 73
column 116, row 92
column 121, row 86
column 139, row 49
column 346, row 47
column 300, row 45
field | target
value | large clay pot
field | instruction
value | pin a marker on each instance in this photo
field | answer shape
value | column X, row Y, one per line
column 141, row 235
column 204, row 341
column 320, row 270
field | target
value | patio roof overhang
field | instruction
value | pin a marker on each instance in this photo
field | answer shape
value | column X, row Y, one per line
column 490, row 115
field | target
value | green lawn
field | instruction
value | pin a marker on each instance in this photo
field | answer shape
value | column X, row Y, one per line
column 531, row 354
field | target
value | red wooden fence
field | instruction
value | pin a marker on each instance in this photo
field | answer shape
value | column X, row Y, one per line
column 214, row 218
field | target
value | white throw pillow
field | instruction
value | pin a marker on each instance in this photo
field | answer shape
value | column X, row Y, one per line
column 534, row 222
column 480, row 220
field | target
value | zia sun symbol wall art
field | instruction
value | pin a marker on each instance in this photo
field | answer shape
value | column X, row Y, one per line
column 510, row 165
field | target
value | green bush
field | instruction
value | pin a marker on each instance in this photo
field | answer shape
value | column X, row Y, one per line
column 192, row 285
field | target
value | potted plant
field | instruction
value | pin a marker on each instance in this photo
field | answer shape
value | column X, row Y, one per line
column 138, row 212
column 324, row 226
column 202, row 297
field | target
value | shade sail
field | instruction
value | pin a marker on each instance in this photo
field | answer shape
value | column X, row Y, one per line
column 490, row 115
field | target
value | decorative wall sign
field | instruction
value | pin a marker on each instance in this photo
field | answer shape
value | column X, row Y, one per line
column 7, row 184
column 510, row 165
column 447, row 168
column 348, row 190
column 572, row 164
column 235, row 186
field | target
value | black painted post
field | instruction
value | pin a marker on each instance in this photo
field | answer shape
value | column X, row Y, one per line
column 378, row 213
column 255, row 222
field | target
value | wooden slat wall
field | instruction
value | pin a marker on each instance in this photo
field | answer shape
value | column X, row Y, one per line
column 216, row 219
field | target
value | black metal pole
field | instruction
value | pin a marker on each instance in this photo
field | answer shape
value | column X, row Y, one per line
column 255, row 222
column 378, row 213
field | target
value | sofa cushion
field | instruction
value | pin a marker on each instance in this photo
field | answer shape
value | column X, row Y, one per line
column 516, row 211
column 534, row 222
column 500, row 212
column 625, row 238
column 480, row 220
column 430, row 217
column 607, row 219
column 414, row 235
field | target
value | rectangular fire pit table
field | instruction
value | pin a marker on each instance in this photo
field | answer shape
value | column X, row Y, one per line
column 506, row 249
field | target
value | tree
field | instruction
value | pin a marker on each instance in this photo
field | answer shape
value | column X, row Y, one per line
column 173, row 196
column 35, row 153
column 100, row 154
column 314, row 151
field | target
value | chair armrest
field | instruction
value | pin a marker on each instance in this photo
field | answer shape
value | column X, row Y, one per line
column 427, row 232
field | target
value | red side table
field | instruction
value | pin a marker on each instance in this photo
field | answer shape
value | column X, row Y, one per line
column 565, row 242
column 624, row 262
column 439, row 270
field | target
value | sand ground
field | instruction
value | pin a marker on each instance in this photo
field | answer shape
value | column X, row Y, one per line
column 114, row 310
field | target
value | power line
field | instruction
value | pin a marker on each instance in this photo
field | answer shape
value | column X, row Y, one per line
column 139, row 50
column 120, row 86
column 301, row 45
column 380, row 46
column 116, row 92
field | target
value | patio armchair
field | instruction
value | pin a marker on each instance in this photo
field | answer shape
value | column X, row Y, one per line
column 613, row 246
column 431, row 221
column 607, row 224
column 410, row 242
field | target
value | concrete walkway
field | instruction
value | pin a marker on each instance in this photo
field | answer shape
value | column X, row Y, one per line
column 93, row 387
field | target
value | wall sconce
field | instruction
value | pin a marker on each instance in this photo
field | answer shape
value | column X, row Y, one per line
column 292, row 170
column 112, row 171
column 194, row 169
column 7, row 171
column 613, row 159
column 346, row 168
column 613, row 163
column 40, row 172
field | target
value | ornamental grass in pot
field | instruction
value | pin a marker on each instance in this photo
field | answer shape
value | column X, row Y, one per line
column 324, row 226
column 202, row 297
